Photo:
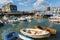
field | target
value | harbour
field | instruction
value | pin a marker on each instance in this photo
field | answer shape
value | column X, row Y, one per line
column 25, row 24
column 29, row 20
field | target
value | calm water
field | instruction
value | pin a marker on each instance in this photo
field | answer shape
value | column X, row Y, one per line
column 24, row 24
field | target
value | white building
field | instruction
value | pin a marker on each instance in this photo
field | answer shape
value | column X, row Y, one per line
column 55, row 9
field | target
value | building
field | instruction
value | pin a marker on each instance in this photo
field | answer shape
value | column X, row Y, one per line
column 54, row 9
column 0, row 10
column 48, row 8
column 9, row 8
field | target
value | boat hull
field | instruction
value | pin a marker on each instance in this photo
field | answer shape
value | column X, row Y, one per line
column 18, row 36
column 35, row 36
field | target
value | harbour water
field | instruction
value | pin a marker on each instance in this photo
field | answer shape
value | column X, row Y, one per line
column 24, row 24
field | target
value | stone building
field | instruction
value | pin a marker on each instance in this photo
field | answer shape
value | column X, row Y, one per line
column 9, row 8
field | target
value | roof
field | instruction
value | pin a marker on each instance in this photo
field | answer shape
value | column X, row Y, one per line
column 8, row 4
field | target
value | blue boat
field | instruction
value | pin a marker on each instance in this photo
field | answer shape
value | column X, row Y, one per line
column 15, row 36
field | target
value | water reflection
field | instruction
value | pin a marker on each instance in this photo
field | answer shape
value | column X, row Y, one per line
column 39, row 20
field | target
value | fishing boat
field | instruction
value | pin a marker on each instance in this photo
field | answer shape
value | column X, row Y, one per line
column 51, row 30
column 15, row 36
column 55, row 18
column 35, row 33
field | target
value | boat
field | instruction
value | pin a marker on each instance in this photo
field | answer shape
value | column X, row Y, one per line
column 38, row 16
column 12, row 20
column 29, row 18
column 55, row 18
column 15, row 36
column 5, row 18
column 1, row 23
column 9, row 19
column 23, row 18
column 51, row 30
column 35, row 33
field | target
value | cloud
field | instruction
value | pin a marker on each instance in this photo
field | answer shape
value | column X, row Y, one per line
column 41, row 4
column 25, row 2
column 46, row 4
column 21, row 3
column 37, row 3
column 5, row 1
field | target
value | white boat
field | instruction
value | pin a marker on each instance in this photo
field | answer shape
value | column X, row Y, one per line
column 8, row 19
column 35, row 33
column 12, row 20
column 29, row 17
column 55, row 18
column 23, row 18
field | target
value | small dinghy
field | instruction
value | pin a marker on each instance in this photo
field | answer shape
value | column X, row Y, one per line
column 15, row 36
column 35, row 33
column 51, row 30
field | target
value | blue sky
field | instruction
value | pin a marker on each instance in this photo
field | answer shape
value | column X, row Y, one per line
column 27, row 5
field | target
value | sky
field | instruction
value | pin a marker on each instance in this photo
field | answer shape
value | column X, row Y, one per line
column 28, row 5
